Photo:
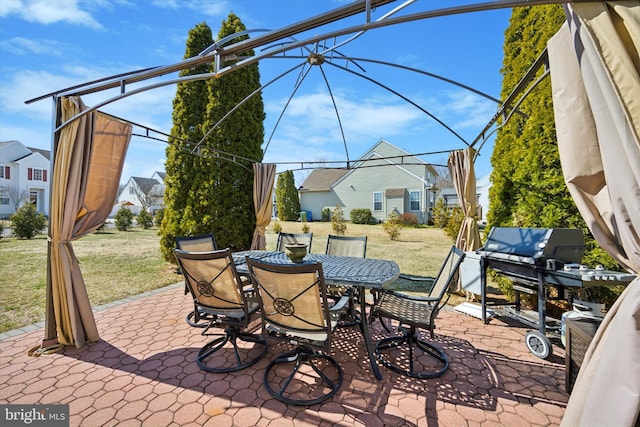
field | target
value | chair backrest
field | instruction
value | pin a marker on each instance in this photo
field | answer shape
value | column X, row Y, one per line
column 347, row 246
column 447, row 278
column 293, row 298
column 203, row 243
column 286, row 238
column 212, row 279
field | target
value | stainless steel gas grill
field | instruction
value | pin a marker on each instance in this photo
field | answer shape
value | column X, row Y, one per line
column 536, row 260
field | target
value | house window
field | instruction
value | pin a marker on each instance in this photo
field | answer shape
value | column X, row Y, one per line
column 4, row 198
column 33, row 198
column 377, row 201
column 414, row 197
column 5, row 172
column 34, row 174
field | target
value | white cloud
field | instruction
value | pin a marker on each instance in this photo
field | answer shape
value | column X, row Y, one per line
column 23, row 46
column 313, row 117
column 472, row 111
column 49, row 12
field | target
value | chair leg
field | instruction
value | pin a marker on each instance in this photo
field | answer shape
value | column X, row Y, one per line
column 408, row 342
column 243, row 357
column 299, row 358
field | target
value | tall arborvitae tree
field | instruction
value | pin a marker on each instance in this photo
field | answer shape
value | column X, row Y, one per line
column 181, row 167
column 528, row 188
column 287, row 200
column 226, row 191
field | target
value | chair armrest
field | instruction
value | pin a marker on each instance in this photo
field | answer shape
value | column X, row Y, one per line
column 412, row 297
column 342, row 302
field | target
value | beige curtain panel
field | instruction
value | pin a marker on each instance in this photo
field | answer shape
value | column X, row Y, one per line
column 595, row 76
column 89, row 157
column 464, row 180
column 264, row 175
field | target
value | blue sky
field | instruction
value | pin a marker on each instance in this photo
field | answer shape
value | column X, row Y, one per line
column 46, row 46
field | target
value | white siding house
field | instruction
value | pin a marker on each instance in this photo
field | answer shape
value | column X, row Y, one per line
column 24, row 177
column 142, row 191
column 384, row 179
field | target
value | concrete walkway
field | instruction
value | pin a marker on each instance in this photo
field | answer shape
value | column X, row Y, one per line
column 143, row 373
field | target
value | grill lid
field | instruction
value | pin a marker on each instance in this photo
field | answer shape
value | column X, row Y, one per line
column 518, row 244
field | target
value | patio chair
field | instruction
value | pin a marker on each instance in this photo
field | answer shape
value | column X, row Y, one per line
column 414, row 313
column 294, row 309
column 217, row 292
column 286, row 238
column 353, row 246
column 203, row 243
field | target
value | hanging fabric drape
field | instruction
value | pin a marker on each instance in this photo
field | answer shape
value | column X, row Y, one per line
column 264, row 175
column 89, row 156
column 464, row 180
column 595, row 77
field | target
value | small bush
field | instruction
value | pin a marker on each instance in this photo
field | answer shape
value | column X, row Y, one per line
column 158, row 217
column 326, row 215
column 440, row 214
column 408, row 219
column 27, row 222
column 101, row 228
column 1, row 230
column 277, row 227
column 361, row 216
column 123, row 219
column 338, row 224
column 454, row 223
column 392, row 226
column 145, row 219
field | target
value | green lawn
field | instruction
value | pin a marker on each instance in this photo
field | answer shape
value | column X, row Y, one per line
column 117, row 264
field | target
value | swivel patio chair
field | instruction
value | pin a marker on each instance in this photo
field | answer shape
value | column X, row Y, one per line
column 287, row 238
column 404, row 352
column 294, row 309
column 352, row 246
column 203, row 243
column 217, row 292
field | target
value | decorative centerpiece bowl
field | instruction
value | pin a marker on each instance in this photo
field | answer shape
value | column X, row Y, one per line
column 296, row 251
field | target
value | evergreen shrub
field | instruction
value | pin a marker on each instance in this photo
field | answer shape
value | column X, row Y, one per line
column 361, row 216
column 123, row 219
column 157, row 218
column 27, row 222
column 326, row 214
column 145, row 220
column 393, row 225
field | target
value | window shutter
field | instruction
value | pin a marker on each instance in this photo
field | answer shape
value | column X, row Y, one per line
column 44, row 175
column 7, row 172
column 29, row 173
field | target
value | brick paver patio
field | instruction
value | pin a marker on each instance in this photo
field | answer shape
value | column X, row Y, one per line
column 143, row 373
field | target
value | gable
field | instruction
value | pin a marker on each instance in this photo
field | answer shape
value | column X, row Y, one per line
column 385, row 154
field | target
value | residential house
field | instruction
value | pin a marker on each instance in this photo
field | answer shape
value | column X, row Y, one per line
column 24, row 177
column 139, row 192
column 384, row 179
column 483, row 184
